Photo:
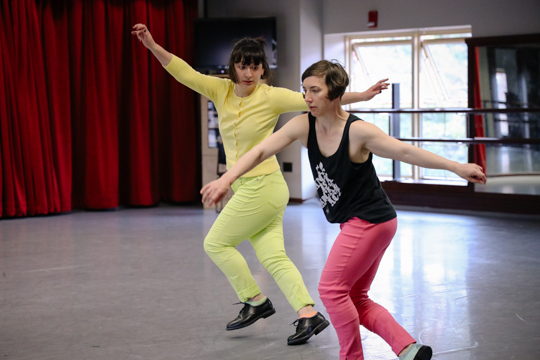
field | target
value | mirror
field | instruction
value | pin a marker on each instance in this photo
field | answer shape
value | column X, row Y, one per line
column 504, row 73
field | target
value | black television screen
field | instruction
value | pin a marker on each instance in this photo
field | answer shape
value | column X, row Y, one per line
column 215, row 37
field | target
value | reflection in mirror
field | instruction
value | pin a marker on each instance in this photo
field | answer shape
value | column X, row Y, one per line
column 512, row 169
column 508, row 78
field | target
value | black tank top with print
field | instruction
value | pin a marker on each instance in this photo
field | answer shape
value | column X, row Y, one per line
column 347, row 189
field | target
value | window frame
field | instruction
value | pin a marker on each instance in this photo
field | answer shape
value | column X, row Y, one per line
column 417, row 43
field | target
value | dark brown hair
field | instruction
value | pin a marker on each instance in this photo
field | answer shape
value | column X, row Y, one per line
column 335, row 76
column 249, row 51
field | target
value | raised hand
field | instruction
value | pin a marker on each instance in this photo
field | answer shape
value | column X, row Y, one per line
column 376, row 89
column 143, row 34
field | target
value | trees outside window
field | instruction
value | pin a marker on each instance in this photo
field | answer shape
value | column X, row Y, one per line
column 431, row 68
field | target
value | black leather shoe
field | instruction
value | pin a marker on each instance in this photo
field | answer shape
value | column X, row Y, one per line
column 249, row 314
column 306, row 328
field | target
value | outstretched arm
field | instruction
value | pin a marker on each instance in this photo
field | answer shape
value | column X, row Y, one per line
column 144, row 36
column 296, row 128
column 208, row 86
column 352, row 97
column 376, row 141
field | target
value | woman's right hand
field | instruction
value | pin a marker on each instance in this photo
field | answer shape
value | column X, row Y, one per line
column 144, row 36
column 215, row 191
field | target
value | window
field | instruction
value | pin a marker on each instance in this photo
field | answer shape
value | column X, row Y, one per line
column 430, row 67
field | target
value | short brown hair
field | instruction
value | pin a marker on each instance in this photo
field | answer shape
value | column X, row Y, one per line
column 249, row 51
column 335, row 76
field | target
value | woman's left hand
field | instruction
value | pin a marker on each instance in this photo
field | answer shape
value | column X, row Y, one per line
column 472, row 172
column 376, row 89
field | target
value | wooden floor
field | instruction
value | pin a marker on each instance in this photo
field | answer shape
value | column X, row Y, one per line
column 136, row 284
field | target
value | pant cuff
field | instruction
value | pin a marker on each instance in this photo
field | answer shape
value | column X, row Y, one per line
column 248, row 293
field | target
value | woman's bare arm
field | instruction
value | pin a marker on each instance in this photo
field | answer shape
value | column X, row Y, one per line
column 353, row 97
column 379, row 143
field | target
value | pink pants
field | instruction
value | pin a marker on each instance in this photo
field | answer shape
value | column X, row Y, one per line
column 346, row 280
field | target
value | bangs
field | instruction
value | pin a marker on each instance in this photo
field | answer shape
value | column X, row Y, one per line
column 249, row 57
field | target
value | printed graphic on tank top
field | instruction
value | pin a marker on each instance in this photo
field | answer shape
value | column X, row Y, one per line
column 347, row 189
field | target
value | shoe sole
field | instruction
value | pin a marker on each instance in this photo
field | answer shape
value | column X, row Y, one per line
column 317, row 330
column 425, row 353
column 262, row 316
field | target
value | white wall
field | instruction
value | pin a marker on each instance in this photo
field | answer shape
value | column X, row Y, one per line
column 487, row 17
column 311, row 23
column 311, row 48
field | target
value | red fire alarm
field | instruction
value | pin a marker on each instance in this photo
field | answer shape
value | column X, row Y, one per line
column 372, row 19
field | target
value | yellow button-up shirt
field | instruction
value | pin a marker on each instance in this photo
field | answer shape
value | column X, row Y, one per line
column 243, row 122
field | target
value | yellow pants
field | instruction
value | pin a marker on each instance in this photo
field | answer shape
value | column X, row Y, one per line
column 255, row 212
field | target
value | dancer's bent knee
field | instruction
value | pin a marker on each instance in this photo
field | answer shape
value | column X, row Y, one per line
column 214, row 248
column 331, row 293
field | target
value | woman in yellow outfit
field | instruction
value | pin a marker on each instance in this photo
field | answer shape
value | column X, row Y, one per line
column 248, row 112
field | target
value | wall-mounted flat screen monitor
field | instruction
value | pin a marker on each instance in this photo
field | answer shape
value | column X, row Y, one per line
column 215, row 37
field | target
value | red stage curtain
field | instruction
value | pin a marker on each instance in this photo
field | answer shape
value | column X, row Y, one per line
column 480, row 149
column 88, row 118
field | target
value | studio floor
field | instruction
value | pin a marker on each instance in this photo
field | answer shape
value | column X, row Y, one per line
column 136, row 284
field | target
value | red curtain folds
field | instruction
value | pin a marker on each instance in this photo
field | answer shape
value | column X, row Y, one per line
column 88, row 118
column 480, row 149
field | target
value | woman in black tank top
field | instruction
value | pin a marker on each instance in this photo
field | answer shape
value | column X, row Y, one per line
column 340, row 148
